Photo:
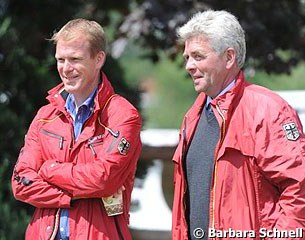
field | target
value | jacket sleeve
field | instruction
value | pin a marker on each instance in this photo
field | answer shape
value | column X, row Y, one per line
column 280, row 154
column 116, row 161
column 27, row 185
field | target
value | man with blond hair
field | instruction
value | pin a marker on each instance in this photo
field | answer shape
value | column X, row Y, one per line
column 79, row 159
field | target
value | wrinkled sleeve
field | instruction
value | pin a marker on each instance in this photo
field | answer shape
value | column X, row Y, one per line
column 280, row 154
column 109, row 171
column 27, row 185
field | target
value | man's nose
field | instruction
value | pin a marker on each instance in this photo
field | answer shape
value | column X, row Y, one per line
column 190, row 64
column 67, row 66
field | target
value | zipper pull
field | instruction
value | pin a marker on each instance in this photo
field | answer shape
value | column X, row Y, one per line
column 92, row 149
column 115, row 134
column 61, row 142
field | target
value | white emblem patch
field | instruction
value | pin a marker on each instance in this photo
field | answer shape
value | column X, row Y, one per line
column 291, row 131
column 123, row 146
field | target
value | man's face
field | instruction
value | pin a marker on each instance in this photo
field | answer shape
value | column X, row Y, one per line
column 78, row 70
column 206, row 67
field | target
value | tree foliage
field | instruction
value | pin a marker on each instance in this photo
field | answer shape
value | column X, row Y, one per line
column 271, row 27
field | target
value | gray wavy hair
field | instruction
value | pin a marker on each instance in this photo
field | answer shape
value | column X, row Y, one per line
column 221, row 28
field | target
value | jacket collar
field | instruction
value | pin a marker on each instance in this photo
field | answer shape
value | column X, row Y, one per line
column 230, row 95
column 57, row 95
column 230, row 99
column 226, row 102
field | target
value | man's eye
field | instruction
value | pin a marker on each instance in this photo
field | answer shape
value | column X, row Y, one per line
column 76, row 59
column 185, row 61
column 198, row 57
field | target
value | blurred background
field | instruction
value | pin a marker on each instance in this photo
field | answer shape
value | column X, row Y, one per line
column 145, row 65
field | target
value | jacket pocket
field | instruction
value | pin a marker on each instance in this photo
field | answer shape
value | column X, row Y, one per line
column 93, row 146
column 56, row 136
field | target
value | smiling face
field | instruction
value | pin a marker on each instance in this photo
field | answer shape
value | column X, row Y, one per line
column 209, row 70
column 77, row 68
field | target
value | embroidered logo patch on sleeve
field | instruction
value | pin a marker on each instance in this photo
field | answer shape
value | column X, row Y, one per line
column 291, row 131
column 123, row 146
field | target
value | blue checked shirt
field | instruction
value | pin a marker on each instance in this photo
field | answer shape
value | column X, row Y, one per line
column 79, row 117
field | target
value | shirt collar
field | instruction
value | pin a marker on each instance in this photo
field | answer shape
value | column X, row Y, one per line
column 227, row 88
column 71, row 106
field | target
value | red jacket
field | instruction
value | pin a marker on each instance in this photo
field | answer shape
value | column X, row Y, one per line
column 259, row 175
column 53, row 168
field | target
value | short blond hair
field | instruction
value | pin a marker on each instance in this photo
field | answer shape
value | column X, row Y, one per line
column 93, row 31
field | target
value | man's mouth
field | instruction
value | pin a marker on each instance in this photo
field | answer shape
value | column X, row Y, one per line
column 70, row 78
column 197, row 77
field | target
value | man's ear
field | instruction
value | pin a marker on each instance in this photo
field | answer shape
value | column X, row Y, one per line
column 101, row 58
column 230, row 55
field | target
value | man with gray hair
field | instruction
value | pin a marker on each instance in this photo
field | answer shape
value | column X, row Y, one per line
column 239, row 164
